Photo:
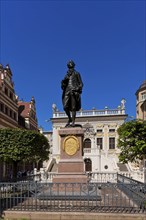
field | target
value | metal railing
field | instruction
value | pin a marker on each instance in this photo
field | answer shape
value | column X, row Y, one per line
column 133, row 189
column 32, row 177
column 72, row 197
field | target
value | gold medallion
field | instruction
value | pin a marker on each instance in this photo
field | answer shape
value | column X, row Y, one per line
column 71, row 145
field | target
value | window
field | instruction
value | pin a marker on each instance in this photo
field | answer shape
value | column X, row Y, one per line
column 2, row 107
column 14, row 116
column 143, row 96
column 106, row 167
column 99, row 142
column 87, row 143
column 11, row 95
column 6, row 110
column 111, row 130
column 33, row 115
column 88, row 165
column 111, row 143
column 10, row 113
column 99, row 130
column 6, row 91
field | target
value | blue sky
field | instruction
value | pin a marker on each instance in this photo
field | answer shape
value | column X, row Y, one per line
column 106, row 40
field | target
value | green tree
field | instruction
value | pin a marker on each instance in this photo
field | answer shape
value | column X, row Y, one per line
column 19, row 145
column 132, row 141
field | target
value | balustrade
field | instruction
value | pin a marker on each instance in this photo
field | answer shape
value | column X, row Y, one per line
column 83, row 113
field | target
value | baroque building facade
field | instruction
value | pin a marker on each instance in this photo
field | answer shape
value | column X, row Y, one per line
column 100, row 152
column 8, row 99
column 27, row 115
column 141, row 101
column 14, row 113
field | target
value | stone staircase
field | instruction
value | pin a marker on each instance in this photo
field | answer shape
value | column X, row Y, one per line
column 122, row 167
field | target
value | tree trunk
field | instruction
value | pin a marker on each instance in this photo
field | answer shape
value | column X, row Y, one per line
column 15, row 165
column 4, row 169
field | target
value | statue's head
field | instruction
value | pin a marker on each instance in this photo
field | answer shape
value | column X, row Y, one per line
column 70, row 64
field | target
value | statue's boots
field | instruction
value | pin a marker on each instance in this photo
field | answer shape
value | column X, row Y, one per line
column 68, row 123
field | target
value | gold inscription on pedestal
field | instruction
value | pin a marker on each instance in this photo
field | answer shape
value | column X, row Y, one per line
column 71, row 145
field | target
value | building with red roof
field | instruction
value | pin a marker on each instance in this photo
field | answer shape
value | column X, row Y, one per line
column 13, row 112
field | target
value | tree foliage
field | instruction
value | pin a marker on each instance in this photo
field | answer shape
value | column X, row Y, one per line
column 132, row 141
column 22, row 145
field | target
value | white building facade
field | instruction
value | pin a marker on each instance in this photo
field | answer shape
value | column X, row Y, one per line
column 100, row 152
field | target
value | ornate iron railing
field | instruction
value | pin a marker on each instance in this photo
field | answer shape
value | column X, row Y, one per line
column 133, row 189
column 69, row 197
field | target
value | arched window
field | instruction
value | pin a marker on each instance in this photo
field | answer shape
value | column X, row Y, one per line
column 88, row 165
column 87, row 143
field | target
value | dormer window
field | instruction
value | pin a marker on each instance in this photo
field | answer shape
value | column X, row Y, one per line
column 143, row 96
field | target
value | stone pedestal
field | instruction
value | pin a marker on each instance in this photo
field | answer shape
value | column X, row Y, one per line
column 71, row 164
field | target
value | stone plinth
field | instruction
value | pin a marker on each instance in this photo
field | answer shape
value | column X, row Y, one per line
column 71, row 164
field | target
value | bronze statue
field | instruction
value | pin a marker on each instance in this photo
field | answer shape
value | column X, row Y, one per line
column 72, row 88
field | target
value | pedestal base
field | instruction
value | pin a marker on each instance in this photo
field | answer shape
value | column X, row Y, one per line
column 70, row 178
column 71, row 164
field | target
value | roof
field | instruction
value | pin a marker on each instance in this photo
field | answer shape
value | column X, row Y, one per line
column 142, row 87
